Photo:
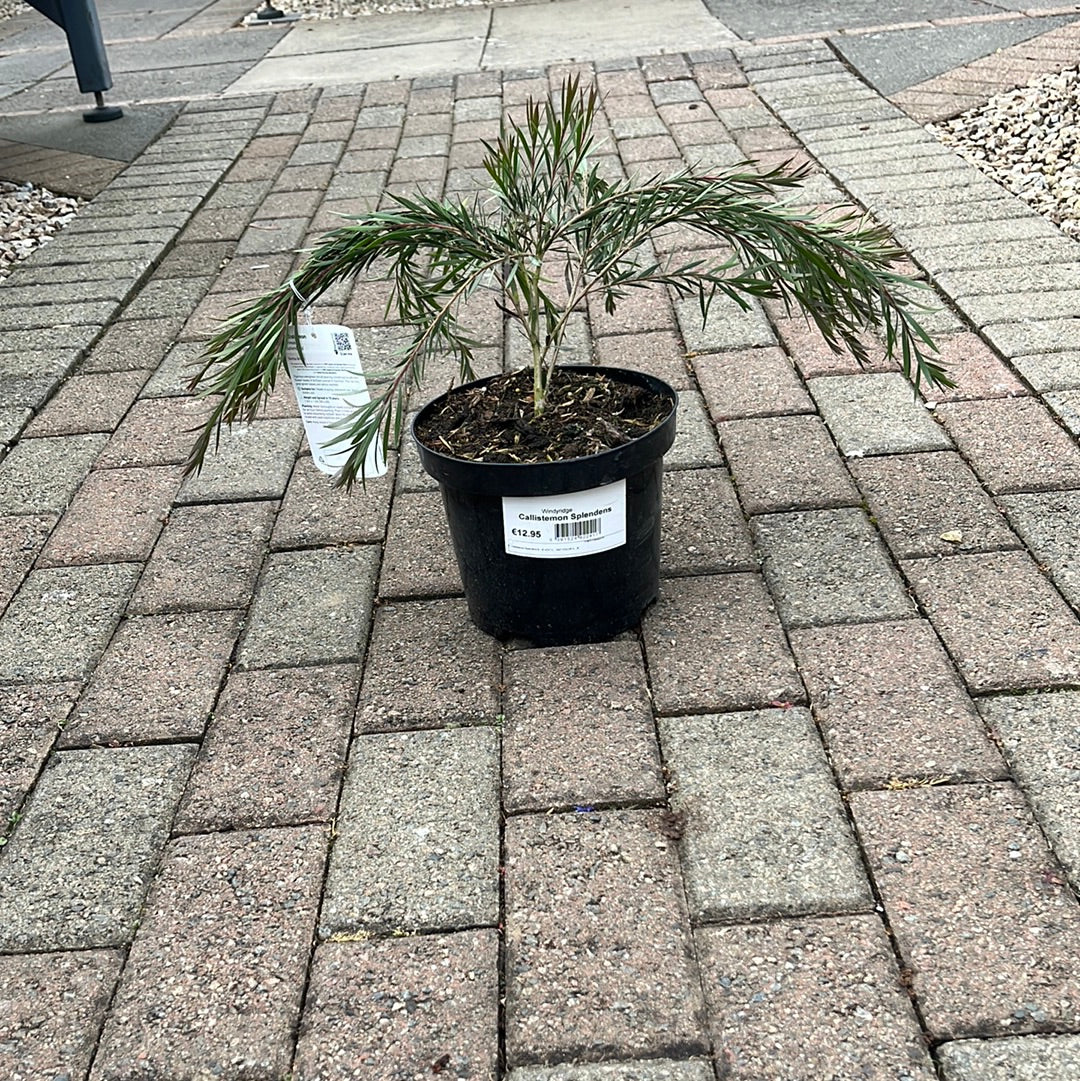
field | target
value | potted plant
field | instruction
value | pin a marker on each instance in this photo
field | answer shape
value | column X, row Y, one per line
column 551, row 476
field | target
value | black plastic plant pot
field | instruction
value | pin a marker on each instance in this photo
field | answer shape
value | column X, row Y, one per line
column 558, row 552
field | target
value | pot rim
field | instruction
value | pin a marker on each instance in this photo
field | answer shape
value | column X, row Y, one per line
column 663, row 433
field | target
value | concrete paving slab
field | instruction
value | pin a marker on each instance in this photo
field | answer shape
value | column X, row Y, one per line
column 763, row 827
column 824, row 993
column 311, row 607
column 122, row 140
column 714, row 643
column 390, row 1004
column 876, row 414
column 54, row 1005
column 207, row 557
column 157, row 681
column 592, row 744
column 225, row 999
column 22, row 537
column 1039, row 735
column 58, row 624
column 342, row 67
column 526, row 36
column 990, row 937
column 704, row 531
column 828, row 566
column 40, row 476
column 891, row 705
column 892, row 60
column 582, row 983
column 417, row 835
column 931, row 504
column 1013, row 1058
column 274, row 751
column 31, row 717
column 1049, row 523
column 75, row 872
column 1003, row 623
column 429, row 668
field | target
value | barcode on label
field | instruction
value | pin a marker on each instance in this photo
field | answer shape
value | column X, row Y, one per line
column 342, row 347
column 587, row 527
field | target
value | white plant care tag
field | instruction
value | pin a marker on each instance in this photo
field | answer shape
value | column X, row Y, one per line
column 329, row 384
column 568, row 525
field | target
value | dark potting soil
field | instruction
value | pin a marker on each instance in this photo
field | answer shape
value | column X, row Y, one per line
column 586, row 412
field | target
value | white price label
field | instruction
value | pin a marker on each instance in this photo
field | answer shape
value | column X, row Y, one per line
column 329, row 384
column 563, row 526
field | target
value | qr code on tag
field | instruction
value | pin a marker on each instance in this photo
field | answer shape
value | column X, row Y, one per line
column 342, row 345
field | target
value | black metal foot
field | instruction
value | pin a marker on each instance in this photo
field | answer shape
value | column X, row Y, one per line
column 102, row 112
column 268, row 13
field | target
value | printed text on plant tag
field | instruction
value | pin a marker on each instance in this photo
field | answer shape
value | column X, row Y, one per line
column 563, row 526
column 329, row 384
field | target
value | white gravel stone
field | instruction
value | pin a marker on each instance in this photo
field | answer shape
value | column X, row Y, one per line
column 1028, row 140
column 335, row 9
column 29, row 216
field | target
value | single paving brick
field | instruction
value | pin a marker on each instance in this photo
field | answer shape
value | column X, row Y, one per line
column 314, row 512
column 703, row 529
column 1002, row 622
column 1011, row 1058
column 311, row 607
column 977, row 370
column 750, row 383
column 727, row 327
column 417, row 834
column 640, row 1070
column 582, row 980
column 579, row 728
column 157, row 680
column 931, row 504
column 764, row 832
column 1014, row 445
column 418, row 560
column 695, row 438
column 274, row 752
column 52, row 1006
column 60, row 621
column 206, row 557
column 88, row 403
column 1049, row 522
column 403, row 1007
column 1051, row 371
column 428, row 667
column 156, row 431
column 876, row 414
column 31, row 717
column 39, row 476
column 215, row 977
column 254, row 461
column 115, row 517
column 980, row 914
column 21, row 539
column 811, row 998
column 77, row 867
column 1039, row 735
column 891, row 705
column 655, row 352
column 715, row 643
column 828, row 566
column 786, row 463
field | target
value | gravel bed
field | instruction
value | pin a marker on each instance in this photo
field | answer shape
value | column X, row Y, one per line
column 334, row 9
column 12, row 7
column 29, row 215
column 1028, row 140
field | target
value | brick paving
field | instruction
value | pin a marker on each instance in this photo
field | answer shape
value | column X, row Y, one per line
column 273, row 808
